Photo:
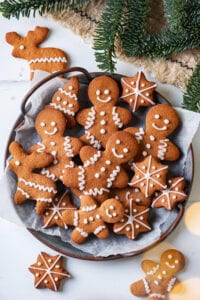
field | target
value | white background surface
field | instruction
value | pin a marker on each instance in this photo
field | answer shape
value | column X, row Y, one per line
column 18, row 248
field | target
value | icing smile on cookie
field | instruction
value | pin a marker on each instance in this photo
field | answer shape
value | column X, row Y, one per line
column 159, row 128
column 106, row 92
column 116, row 154
column 52, row 132
column 169, row 265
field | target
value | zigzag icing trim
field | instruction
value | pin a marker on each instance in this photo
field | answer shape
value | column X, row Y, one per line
column 154, row 270
column 48, row 174
column 162, row 149
column 23, row 192
column 92, row 140
column 89, row 208
column 92, row 160
column 96, row 191
column 38, row 186
column 42, row 147
column 112, row 176
column 171, row 284
column 62, row 109
column 47, row 60
column 146, row 286
column 116, row 117
column 68, row 94
column 90, row 118
column 76, row 218
column 99, row 229
column 156, row 295
column 139, row 135
column 68, row 147
column 49, row 200
column 81, row 178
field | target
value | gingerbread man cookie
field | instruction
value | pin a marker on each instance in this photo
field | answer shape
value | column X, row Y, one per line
column 46, row 59
column 48, row 271
column 91, row 219
column 169, row 197
column 150, row 176
column 31, row 185
column 66, row 100
column 161, row 121
column 102, row 170
column 137, row 91
column 50, row 125
column 104, row 118
column 160, row 277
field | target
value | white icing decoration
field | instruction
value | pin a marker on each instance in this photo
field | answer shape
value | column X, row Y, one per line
column 166, row 121
column 157, row 295
column 106, row 92
column 169, row 265
column 157, row 116
column 68, row 94
column 48, row 271
column 70, row 87
column 17, row 163
column 48, row 174
column 103, row 169
column 90, row 118
column 148, row 176
column 102, row 113
column 125, row 150
column 102, row 131
column 81, row 178
column 132, row 219
column 92, row 140
column 68, row 147
column 54, row 153
column 118, row 142
column 38, row 186
column 76, row 218
column 21, row 47
column 137, row 91
column 23, row 192
column 42, row 147
column 162, row 148
column 82, row 232
column 104, row 100
column 146, row 286
column 52, row 143
column 171, row 284
column 47, row 60
column 99, row 229
column 116, row 117
column 139, row 135
column 53, row 123
column 58, row 98
column 112, row 176
column 152, row 138
column 42, row 124
column 88, row 208
column 51, row 132
column 98, row 92
column 63, row 109
column 97, row 175
column 116, row 154
column 96, row 191
column 159, row 128
column 103, row 122
column 92, row 160
column 108, row 162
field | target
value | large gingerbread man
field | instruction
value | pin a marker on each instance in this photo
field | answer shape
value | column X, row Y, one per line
column 50, row 125
column 31, row 185
column 65, row 99
column 104, row 118
column 91, row 218
column 102, row 170
column 161, row 121
column 160, row 277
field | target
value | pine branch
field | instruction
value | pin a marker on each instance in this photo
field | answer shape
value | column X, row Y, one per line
column 191, row 98
column 106, row 34
column 24, row 8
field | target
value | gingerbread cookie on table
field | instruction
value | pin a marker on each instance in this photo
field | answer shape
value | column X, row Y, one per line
column 46, row 59
column 66, row 100
column 150, row 176
column 103, row 118
column 160, row 277
column 91, row 218
column 161, row 121
column 48, row 271
column 29, row 184
column 53, row 213
column 50, row 125
column 102, row 170
column 130, row 193
column 137, row 91
column 172, row 195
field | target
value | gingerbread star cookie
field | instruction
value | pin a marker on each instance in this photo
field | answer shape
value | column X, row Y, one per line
column 137, row 91
column 169, row 197
column 160, row 277
column 150, row 176
column 48, row 271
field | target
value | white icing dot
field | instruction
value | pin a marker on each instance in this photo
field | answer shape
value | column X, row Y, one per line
column 21, row 47
column 97, row 175
column 143, row 85
column 39, row 263
column 118, row 142
column 56, row 217
column 125, row 150
column 111, row 207
column 71, row 87
column 170, row 256
column 85, row 221
column 148, row 146
column 158, row 175
column 46, row 213
column 57, row 266
column 17, row 162
column 108, row 162
column 126, row 210
column 49, row 260
column 164, row 272
column 98, row 92
column 147, row 94
column 137, row 176
column 137, row 190
column 166, row 121
column 137, row 200
column 64, row 102
column 103, row 169
column 106, row 92
column 157, row 116
column 102, row 131
column 156, row 282
column 169, row 181
column 153, row 167
column 102, row 113
column 142, row 183
column 117, row 197
column 91, row 218
column 103, row 122
column 151, row 185
column 114, row 214
column 131, row 100
column 122, row 220
column 137, row 226
column 152, row 138
column 141, row 218
column 45, row 281
column 56, row 278
column 42, row 124
column 142, row 101
column 37, row 274
column 143, row 167
column 98, row 217
column 128, row 229
column 58, row 98
column 52, row 143
column 71, row 105
column 127, row 90
column 144, row 153
column 135, row 210
column 64, row 204
column 176, row 261
column 132, row 82
column 163, row 200
column 53, row 123
column 176, row 189
column 159, row 277
column 174, row 197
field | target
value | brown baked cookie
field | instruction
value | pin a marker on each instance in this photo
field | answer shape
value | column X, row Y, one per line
column 46, row 59
column 53, row 214
column 130, row 193
column 66, row 100
column 102, row 170
column 134, row 221
column 48, row 271
column 90, row 219
column 150, row 176
column 50, row 125
column 160, row 277
column 137, row 91
column 31, row 185
column 169, row 197
column 103, row 118
column 161, row 121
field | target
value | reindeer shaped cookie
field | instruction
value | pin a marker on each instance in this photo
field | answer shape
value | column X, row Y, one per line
column 102, row 170
column 91, row 219
column 31, row 185
column 104, row 118
column 66, row 100
column 46, row 59
column 160, row 277
column 161, row 121
column 50, row 125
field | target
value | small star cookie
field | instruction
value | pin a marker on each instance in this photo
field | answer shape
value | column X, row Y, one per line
column 48, row 271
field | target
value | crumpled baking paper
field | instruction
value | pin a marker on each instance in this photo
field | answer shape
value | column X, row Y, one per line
column 25, row 215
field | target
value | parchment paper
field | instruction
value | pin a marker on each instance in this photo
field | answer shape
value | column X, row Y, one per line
column 25, row 215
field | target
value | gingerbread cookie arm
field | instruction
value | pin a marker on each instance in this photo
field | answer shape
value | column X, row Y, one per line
column 89, row 155
column 72, row 176
column 121, row 181
column 140, row 288
column 87, row 203
column 167, row 150
column 69, row 216
column 72, row 146
column 124, row 114
column 83, row 117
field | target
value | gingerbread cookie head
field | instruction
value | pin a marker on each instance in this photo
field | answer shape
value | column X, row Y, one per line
column 103, row 91
column 161, row 121
column 121, row 147
column 173, row 261
column 111, row 210
column 50, row 122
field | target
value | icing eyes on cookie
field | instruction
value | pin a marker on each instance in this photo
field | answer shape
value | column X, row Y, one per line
column 157, row 116
column 125, row 150
column 98, row 92
column 53, row 123
column 166, row 121
column 42, row 124
column 17, row 163
column 106, row 92
column 170, row 256
column 118, row 142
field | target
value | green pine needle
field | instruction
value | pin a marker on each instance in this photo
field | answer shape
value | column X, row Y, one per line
column 191, row 98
